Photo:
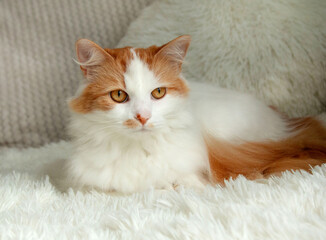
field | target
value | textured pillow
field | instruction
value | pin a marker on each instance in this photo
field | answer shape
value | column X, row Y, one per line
column 37, row 71
column 273, row 49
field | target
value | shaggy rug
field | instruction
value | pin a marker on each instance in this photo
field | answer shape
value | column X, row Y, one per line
column 35, row 204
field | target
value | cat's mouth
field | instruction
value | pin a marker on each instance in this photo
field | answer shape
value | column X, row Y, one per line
column 140, row 131
column 137, row 127
column 144, row 129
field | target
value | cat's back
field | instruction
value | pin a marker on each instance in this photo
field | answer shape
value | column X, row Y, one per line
column 233, row 116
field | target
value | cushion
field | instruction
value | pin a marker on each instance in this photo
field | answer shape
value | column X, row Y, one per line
column 273, row 49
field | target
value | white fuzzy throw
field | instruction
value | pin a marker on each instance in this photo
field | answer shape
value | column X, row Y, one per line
column 33, row 206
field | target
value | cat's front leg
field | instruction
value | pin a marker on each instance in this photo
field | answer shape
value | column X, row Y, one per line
column 196, row 181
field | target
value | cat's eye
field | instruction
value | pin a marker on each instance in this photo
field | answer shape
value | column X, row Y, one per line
column 159, row 92
column 119, row 96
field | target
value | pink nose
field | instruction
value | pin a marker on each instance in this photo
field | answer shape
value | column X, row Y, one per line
column 141, row 119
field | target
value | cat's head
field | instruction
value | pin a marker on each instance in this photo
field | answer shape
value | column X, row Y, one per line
column 132, row 89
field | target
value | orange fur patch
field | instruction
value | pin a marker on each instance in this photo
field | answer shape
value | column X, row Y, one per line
column 167, row 74
column 96, row 94
column 122, row 57
column 105, row 78
column 131, row 123
column 305, row 149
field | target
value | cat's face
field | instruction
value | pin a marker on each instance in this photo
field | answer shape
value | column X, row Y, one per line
column 132, row 90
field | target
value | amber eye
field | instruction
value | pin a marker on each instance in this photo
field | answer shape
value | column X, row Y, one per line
column 119, row 96
column 159, row 92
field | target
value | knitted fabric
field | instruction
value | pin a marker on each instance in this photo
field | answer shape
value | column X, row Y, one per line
column 38, row 74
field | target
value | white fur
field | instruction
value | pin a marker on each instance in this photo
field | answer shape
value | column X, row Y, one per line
column 140, row 81
column 235, row 116
column 110, row 156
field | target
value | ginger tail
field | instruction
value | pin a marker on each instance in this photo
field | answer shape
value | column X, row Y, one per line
column 304, row 149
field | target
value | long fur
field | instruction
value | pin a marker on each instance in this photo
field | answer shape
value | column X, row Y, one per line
column 190, row 138
column 305, row 149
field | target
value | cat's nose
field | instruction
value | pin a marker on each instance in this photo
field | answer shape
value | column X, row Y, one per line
column 141, row 119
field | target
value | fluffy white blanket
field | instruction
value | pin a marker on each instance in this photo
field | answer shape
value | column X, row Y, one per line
column 35, row 206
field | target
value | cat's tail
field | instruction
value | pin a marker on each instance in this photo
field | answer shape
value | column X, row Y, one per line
column 303, row 149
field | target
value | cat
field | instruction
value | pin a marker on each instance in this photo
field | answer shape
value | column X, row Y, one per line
column 135, row 125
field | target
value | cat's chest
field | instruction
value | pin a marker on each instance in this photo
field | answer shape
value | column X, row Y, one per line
column 163, row 154
column 137, row 166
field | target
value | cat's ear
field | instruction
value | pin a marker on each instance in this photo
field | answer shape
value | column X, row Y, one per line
column 90, row 55
column 175, row 51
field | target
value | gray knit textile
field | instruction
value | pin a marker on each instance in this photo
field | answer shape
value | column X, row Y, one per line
column 38, row 74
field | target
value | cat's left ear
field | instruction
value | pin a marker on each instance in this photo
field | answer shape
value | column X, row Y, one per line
column 175, row 51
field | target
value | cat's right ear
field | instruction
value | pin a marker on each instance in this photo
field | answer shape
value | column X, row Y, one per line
column 90, row 55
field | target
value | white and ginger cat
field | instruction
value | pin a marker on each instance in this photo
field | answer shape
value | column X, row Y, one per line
column 136, row 125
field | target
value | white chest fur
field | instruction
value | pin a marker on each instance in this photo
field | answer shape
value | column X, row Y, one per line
column 113, row 162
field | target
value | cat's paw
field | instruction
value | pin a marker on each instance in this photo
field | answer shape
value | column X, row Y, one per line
column 192, row 181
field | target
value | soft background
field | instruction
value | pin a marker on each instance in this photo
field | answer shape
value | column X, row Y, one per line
column 37, row 73
column 273, row 49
